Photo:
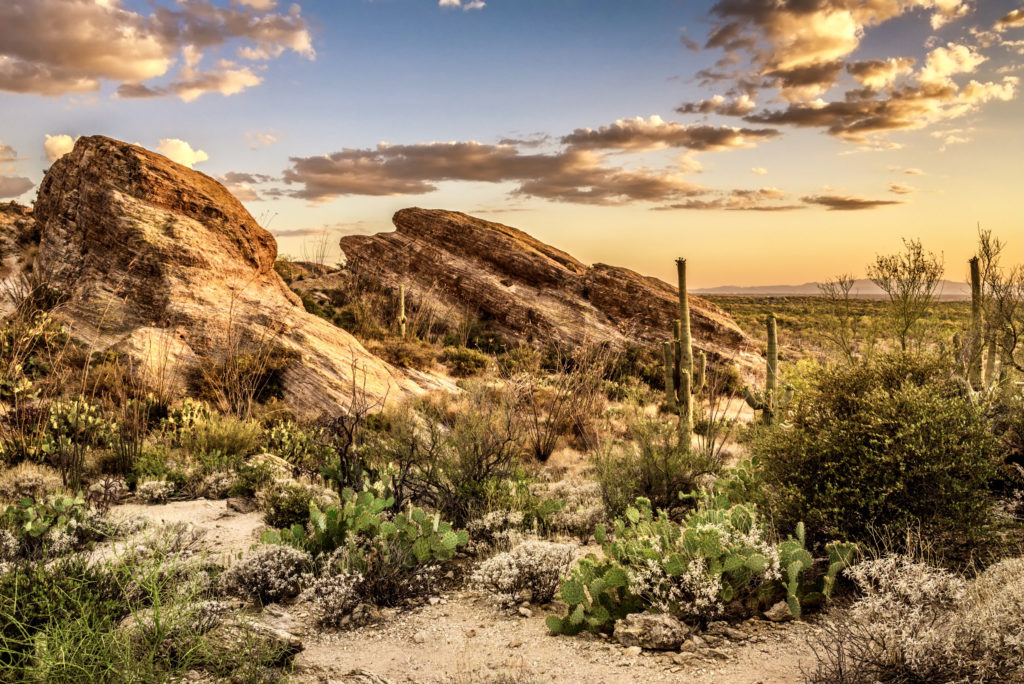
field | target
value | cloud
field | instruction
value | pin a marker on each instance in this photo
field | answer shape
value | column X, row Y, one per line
column 241, row 185
column 54, row 47
column 803, row 49
column 469, row 6
column 906, row 171
column 571, row 175
column 759, row 171
column 639, row 134
column 56, row 146
column 7, row 153
column 880, row 73
column 228, row 79
column 258, row 140
column 181, row 152
column 14, row 186
column 863, row 114
column 737, row 200
column 739, row 106
column 846, row 202
column 1014, row 19
column 898, row 189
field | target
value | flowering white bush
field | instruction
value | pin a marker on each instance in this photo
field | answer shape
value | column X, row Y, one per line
column 531, row 571
column 271, row 573
column 154, row 491
column 333, row 597
column 584, row 508
column 918, row 623
column 497, row 530
column 216, row 485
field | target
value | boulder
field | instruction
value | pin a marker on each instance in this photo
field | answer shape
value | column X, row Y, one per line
column 162, row 263
column 528, row 290
column 780, row 612
column 650, row 631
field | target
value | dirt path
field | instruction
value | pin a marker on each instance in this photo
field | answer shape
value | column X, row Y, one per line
column 467, row 640
column 462, row 638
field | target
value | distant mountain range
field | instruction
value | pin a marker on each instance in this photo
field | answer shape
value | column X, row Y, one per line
column 947, row 289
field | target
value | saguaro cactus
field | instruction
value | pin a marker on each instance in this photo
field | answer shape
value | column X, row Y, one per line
column 769, row 401
column 683, row 376
column 401, row 311
column 976, row 342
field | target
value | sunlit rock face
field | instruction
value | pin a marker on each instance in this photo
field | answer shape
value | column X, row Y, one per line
column 163, row 263
column 531, row 291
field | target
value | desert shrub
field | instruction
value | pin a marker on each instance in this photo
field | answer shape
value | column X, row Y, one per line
column 271, row 573
column 397, row 555
column 28, row 480
column 51, row 526
column 217, row 485
column 286, row 502
column 142, row 616
column 75, row 427
column 307, row 448
column 565, row 402
column 227, row 436
column 522, row 358
column 530, row 571
column 464, row 362
column 582, row 511
column 718, row 555
column 415, row 354
column 654, row 462
column 454, row 455
column 333, row 596
column 883, row 444
column 251, row 478
column 639, row 362
column 154, row 491
column 249, row 371
column 915, row 623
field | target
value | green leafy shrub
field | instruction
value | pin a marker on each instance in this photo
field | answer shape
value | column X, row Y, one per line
column 227, row 436
column 60, row 522
column 415, row 354
column 655, row 463
column 306, row 448
column 287, row 504
column 882, row 445
column 464, row 362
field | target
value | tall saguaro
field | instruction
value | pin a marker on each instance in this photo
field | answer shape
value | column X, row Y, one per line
column 683, row 377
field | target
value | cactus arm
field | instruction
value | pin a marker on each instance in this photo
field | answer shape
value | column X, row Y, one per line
column 670, row 380
column 752, row 401
column 974, row 369
column 700, row 367
column 685, row 342
column 685, row 408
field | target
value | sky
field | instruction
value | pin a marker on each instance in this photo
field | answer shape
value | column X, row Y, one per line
column 767, row 141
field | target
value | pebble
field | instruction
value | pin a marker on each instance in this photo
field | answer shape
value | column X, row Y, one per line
column 525, row 612
column 420, row 637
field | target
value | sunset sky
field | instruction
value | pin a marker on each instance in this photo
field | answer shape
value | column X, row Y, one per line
column 768, row 141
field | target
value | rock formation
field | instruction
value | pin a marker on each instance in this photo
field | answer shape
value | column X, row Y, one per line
column 530, row 290
column 163, row 263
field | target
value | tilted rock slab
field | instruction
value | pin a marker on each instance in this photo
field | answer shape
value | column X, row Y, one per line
column 530, row 290
column 163, row 263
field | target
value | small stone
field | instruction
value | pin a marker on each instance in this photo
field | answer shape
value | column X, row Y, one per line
column 470, row 633
column 525, row 612
column 682, row 658
column 779, row 612
column 420, row 637
column 515, row 643
column 654, row 632
column 242, row 504
column 633, row 651
column 434, row 600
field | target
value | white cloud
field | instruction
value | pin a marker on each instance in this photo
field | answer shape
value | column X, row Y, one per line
column 54, row 47
column 759, row 171
column 472, row 5
column 181, row 152
column 56, row 146
column 943, row 62
column 257, row 139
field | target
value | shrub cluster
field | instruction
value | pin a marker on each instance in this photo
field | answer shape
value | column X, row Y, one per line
column 530, row 571
column 889, row 443
column 718, row 555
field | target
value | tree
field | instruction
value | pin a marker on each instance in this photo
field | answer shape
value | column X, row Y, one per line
column 909, row 280
column 840, row 325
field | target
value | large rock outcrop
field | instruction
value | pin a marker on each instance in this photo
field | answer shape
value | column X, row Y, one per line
column 530, row 290
column 163, row 263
